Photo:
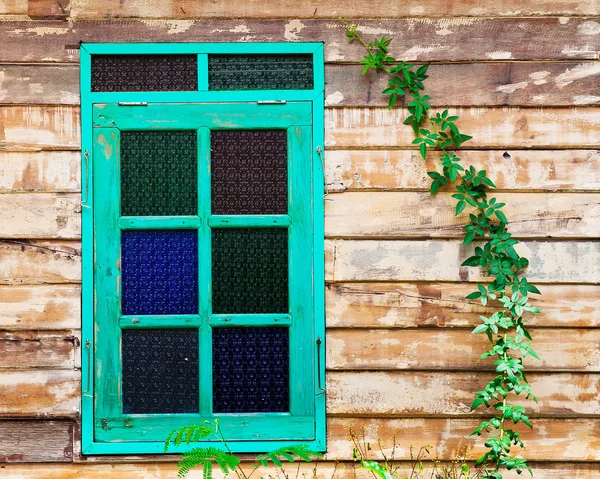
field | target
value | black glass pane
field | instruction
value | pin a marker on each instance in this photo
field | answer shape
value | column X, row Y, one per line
column 159, row 173
column 250, row 370
column 260, row 72
column 249, row 172
column 160, row 371
column 250, row 271
column 159, row 272
column 144, row 73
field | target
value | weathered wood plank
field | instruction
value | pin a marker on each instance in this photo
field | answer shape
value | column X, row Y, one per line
column 491, row 128
column 529, row 170
column 324, row 9
column 324, row 470
column 481, row 84
column 350, row 215
column 31, row 349
column 57, row 127
column 40, row 84
column 39, row 262
column 23, row 127
column 559, row 349
column 440, row 260
column 45, row 171
column 40, row 215
column 402, row 214
column 13, row 7
column 373, row 394
column 550, row 440
column 40, row 393
column 424, row 39
column 48, row 9
column 36, row 441
column 40, row 307
column 409, row 305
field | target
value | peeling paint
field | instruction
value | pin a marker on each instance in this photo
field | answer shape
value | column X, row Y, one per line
column 334, row 98
column 414, row 52
column 586, row 99
column 512, row 87
column 579, row 72
column 240, row 29
column 539, row 78
column 41, row 31
column 499, row 55
column 292, row 28
column 589, row 28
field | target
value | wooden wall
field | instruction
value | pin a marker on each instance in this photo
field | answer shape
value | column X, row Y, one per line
column 524, row 76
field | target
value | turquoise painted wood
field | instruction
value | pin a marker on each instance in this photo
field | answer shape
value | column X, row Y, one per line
column 191, row 116
column 105, row 430
column 160, row 322
column 159, row 222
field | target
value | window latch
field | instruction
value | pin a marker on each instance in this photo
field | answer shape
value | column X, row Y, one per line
column 133, row 103
column 321, row 389
column 271, row 102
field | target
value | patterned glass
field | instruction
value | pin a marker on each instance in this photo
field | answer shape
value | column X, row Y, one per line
column 160, row 371
column 159, row 272
column 260, row 72
column 250, row 270
column 249, row 172
column 159, row 173
column 144, row 73
column 251, row 370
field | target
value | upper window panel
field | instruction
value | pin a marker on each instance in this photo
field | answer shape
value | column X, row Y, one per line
column 260, row 72
column 144, row 73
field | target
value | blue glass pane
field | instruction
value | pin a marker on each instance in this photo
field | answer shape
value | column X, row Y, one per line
column 159, row 272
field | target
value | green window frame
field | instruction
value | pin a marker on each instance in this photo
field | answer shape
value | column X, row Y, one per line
column 105, row 115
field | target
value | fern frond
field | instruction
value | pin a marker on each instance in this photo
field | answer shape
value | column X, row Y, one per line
column 205, row 456
column 188, row 434
column 302, row 451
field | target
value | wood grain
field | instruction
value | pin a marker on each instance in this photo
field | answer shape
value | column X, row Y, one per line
column 574, row 350
column 405, row 215
column 40, row 307
column 423, row 39
column 326, row 8
column 550, row 440
column 500, row 128
column 481, row 84
column 39, row 262
column 386, row 394
column 324, row 470
column 34, row 127
column 443, row 305
column 35, row 441
column 528, row 170
column 48, row 9
column 44, row 171
column 57, row 127
column 40, row 393
column 476, row 84
column 440, row 260
column 33, row 349
column 40, row 215
column 13, row 7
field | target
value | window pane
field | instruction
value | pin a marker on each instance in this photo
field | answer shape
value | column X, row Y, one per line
column 249, row 172
column 159, row 173
column 144, row 73
column 250, row 370
column 159, row 272
column 260, row 72
column 160, row 371
column 250, row 270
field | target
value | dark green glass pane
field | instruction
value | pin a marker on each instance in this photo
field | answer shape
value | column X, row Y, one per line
column 260, row 72
column 250, row 270
column 159, row 173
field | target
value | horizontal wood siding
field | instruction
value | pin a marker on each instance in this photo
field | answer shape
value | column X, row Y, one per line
column 524, row 77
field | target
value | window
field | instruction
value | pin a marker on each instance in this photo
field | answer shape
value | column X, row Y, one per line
column 202, row 244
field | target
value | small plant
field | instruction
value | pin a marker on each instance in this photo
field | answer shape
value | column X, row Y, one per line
column 387, row 469
column 509, row 291
column 207, row 457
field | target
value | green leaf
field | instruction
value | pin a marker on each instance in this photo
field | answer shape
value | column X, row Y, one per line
column 532, row 289
column 460, row 206
column 423, row 150
column 469, row 237
column 501, row 216
column 392, row 101
column 474, row 295
column 376, row 468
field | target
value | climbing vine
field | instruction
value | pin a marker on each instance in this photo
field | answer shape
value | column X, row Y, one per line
column 494, row 252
